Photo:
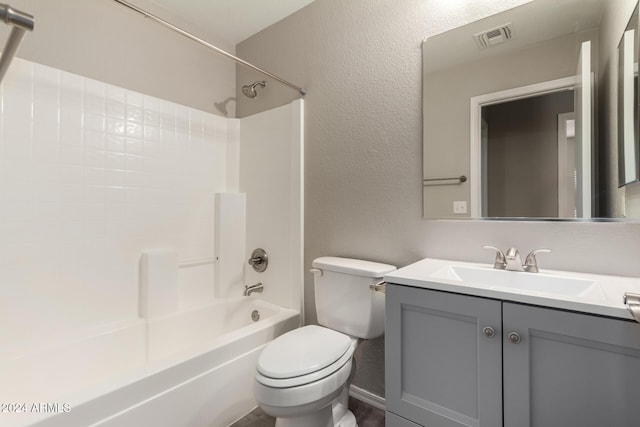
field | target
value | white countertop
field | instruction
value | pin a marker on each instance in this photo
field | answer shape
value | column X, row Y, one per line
column 604, row 298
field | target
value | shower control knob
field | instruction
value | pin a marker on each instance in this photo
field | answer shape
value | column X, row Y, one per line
column 489, row 332
column 259, row 260
column 514, row 337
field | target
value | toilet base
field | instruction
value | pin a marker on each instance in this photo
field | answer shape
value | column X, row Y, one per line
column 321, row 418
column 336, row 414
column 347, row 420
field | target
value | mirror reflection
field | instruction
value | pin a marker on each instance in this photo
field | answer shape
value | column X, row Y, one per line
column 628, row 103
column 508, row 103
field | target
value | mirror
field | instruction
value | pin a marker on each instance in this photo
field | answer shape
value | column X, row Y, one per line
column 628, row 167
column 508, row 106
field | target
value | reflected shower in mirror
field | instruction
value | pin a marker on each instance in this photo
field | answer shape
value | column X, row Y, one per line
column 628, row 167
column 508, row 102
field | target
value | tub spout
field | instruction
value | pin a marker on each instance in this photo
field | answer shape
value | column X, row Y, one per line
column 248, row 290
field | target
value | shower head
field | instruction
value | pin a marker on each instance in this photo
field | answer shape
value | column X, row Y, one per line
column 250, row 90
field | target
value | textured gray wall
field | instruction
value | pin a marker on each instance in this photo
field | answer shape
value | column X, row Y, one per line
column 361, row 63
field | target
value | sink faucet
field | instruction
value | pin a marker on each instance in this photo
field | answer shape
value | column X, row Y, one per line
column 248, row 290
column 511, row 260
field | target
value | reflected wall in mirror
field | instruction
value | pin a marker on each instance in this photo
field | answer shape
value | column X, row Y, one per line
column 540, row 54
column 628, row 155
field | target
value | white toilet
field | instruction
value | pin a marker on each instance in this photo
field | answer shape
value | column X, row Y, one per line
column 303, row 376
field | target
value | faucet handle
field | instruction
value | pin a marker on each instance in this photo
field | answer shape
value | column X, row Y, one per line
column 531, row 263
column 500, row 263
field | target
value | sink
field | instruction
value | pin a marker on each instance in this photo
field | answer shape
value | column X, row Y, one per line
column 520, row 281
column 569, row 290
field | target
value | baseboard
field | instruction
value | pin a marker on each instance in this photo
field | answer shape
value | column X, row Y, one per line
column 367, row 397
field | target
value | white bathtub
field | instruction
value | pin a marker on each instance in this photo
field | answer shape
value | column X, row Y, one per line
column 193, row 368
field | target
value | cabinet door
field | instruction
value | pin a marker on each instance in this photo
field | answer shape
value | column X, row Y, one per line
column 441, row 369
column 570, row 369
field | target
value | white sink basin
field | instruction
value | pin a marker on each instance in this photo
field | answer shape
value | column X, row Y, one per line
column 576, row 291
column 516, row 280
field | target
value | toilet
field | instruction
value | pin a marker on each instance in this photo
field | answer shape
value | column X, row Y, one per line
column 303, row 376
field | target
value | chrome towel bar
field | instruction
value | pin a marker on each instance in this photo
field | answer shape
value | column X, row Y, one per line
column 439, row 181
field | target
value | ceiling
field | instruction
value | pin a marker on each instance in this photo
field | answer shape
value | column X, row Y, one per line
column 231, row 21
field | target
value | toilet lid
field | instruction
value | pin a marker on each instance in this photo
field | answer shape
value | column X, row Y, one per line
column 302, row 351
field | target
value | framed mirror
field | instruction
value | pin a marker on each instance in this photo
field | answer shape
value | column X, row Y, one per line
column 628, row 154
column 508, row 114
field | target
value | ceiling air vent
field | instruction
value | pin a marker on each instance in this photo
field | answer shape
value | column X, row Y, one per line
column 494, row 36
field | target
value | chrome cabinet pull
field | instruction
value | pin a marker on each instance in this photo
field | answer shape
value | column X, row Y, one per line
column 489, row 331
column 514, row 337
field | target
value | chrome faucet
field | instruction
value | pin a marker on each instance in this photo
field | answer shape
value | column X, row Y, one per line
column 248, row 290
column 511, row 260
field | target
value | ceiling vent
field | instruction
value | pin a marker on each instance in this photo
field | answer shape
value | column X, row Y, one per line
column 494, row 36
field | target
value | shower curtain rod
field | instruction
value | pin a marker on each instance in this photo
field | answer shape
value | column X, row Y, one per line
column 21, row 22
column 210, row 46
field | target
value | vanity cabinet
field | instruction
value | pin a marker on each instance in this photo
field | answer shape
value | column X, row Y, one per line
column 457, row 360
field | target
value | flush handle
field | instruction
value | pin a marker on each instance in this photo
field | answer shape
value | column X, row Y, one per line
column 379, row 287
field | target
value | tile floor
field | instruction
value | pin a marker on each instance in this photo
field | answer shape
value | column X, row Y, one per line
column 366, row 415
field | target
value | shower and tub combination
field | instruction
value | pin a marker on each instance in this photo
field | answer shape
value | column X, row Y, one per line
column 122, row 298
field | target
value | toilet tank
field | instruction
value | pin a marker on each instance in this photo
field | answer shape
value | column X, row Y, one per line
column 344, row 300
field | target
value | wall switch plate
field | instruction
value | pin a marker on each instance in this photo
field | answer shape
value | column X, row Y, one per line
column 460, row 207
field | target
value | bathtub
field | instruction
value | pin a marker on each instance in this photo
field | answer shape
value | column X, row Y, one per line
column 192, row 368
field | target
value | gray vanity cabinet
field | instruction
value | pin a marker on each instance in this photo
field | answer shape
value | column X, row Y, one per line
column 570, row 369
column 535, row 367
column 441, row 370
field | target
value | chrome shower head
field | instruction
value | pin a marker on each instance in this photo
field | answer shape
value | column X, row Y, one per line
column 250, row 90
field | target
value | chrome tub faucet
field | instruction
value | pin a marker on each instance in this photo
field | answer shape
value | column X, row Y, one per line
column 248, row 290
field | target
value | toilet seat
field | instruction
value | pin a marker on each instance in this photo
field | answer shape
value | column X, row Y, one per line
column 303, row 356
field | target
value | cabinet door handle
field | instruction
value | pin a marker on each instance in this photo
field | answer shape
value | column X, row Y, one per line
column 489, row 331
column 514, row 337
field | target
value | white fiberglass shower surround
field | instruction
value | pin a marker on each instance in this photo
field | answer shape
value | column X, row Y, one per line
column 125, row 229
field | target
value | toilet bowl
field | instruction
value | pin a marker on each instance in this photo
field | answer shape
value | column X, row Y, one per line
column 302, row 372
column 302, row 377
